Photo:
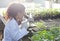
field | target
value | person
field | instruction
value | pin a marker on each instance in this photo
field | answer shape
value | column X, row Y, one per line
column 15, row 13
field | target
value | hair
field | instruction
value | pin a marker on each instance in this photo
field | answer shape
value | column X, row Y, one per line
column 14, row 9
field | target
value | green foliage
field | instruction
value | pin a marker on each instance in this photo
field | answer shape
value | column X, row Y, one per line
column 52, row 35
column 39, row 24
column 45, row 12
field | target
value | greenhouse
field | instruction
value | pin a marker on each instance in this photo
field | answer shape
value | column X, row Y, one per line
column 29, row 20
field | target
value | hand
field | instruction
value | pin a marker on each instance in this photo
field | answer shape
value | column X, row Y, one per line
column 25, row 24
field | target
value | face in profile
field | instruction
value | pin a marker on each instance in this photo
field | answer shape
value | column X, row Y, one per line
column 20, row 17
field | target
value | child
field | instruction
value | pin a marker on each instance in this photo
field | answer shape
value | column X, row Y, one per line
column 15, row 14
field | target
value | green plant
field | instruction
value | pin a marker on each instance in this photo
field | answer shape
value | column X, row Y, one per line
column 56, row 32
column 43, row 35
column 40, row 25
column 45, row 13
column 52, row 35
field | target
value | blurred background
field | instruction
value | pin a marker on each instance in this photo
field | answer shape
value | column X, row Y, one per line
column 32, row 3
column 44, row 19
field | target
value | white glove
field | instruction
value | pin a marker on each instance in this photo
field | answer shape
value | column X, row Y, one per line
column 24, row 24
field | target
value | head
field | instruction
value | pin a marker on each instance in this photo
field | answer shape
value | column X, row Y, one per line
column 16, row 11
